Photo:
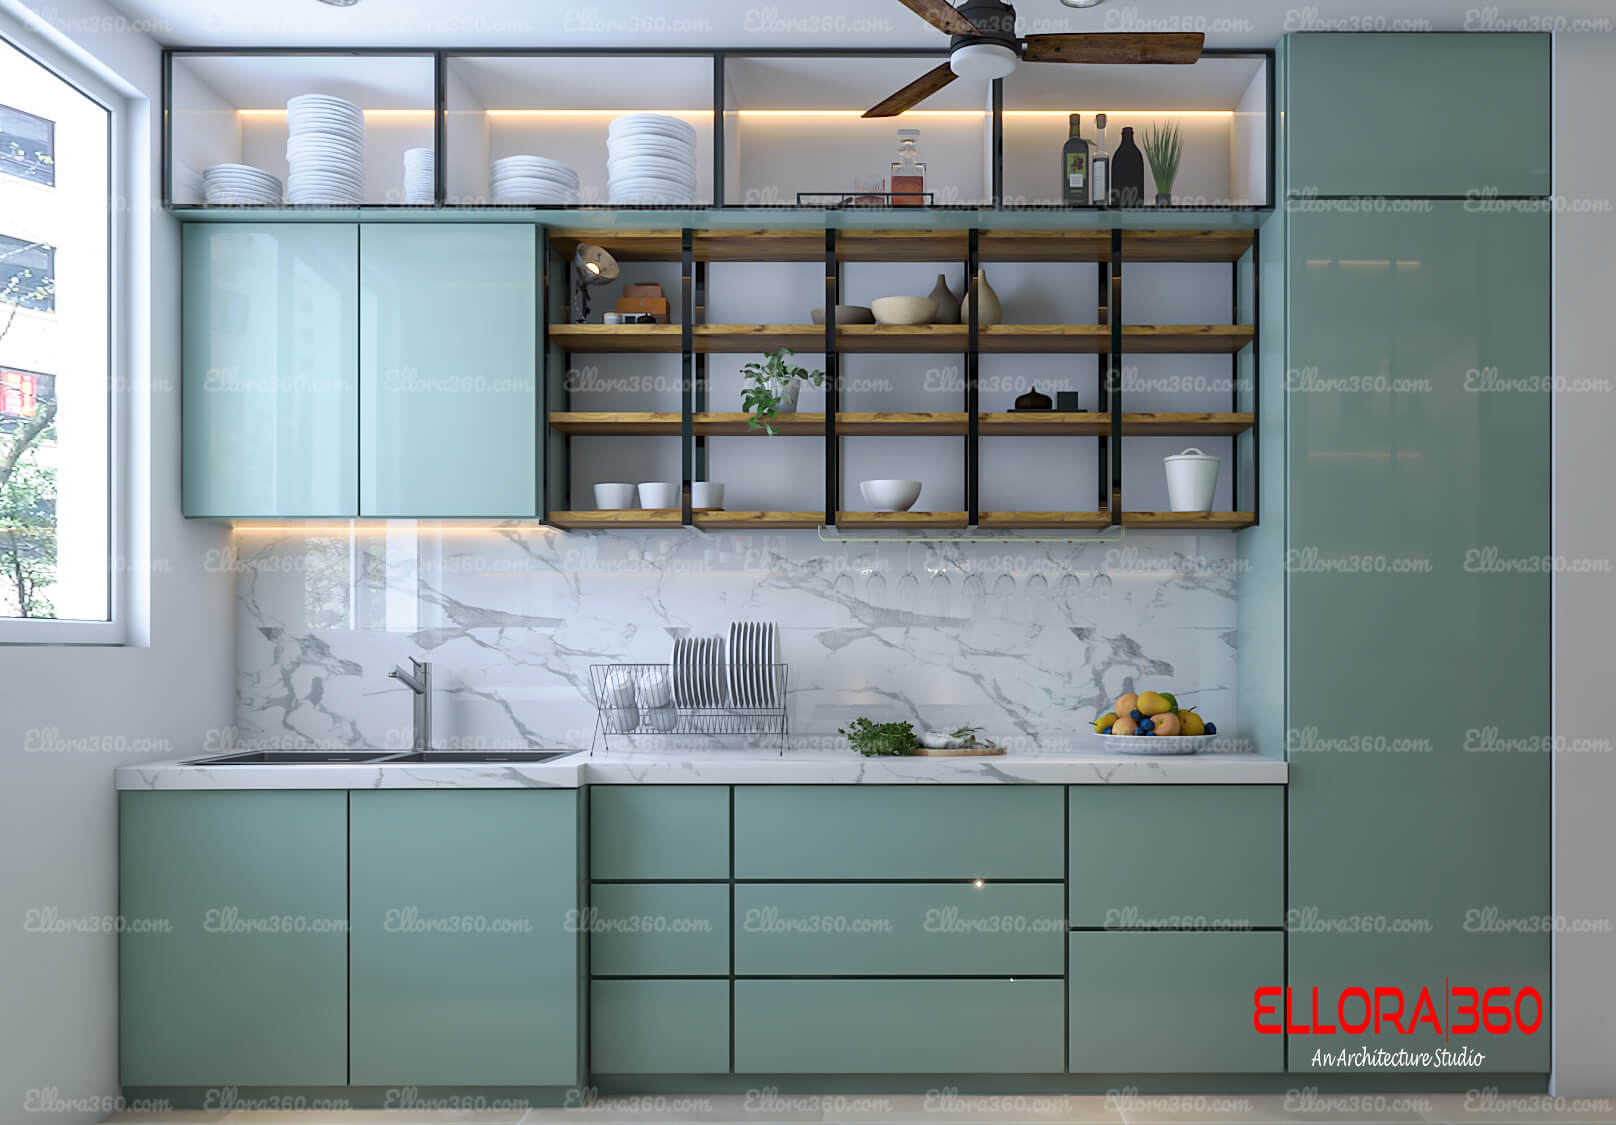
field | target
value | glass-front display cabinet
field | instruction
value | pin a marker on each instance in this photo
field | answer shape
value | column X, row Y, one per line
column 1216, row 109
column 794, row 134
column 578, row 129
column 317, row 128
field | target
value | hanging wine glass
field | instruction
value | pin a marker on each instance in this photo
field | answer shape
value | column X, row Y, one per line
column 908, row 594
column 940, row 593
column 875, row 586
column 842, row 588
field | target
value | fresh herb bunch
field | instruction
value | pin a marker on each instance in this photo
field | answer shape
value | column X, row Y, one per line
column 761, row 395
column 881, row 740
column 1163, row 148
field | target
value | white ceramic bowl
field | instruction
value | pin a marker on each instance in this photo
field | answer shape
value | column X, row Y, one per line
column 904, row 310
column 1146, row 744
column 620, row 690
column 846, row 314
column 659, row 494
column 890, row 495
column 614, row 497
column 654, row 688
column 706, row 494
column 660, row 719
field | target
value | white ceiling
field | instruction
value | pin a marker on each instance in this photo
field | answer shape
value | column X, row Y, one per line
column 776, row 23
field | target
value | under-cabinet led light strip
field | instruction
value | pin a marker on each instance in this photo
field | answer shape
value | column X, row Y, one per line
column 853, row 114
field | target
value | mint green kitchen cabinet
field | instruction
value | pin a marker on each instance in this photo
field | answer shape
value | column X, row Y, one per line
column 1175, row 1003
column 1418, row 114
column 659, row 929
column 900, row 832
column 1419, row 607
column 464, row 957
column 650, row 832
column 1176, row 856
column 659, row 1027
column 998, row 1026
column 448, row 370
column 899, row 929
column 233, row 963
column 270, row 369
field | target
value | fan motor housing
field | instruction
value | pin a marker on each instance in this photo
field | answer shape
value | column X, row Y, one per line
column 996, row 21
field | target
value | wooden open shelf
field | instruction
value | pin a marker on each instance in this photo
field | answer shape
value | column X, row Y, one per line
column 893, row 424
column 907, row 339
column 913, row 246
column 1063, row 521
column 903, row 521
column 671, row 517
column 1190, row 521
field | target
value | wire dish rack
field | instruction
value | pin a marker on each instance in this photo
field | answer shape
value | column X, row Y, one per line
column 659, row 700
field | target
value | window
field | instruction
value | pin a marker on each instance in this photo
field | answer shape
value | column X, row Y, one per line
column 27, row 274
column 27, row 146
column 56, row 511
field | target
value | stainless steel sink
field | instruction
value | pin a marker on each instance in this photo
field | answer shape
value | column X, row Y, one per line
column 295, row 757
column 478, row 756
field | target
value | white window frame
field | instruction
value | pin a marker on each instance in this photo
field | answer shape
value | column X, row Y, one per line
column 115, row 630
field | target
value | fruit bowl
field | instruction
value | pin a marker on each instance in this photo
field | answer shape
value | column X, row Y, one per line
column 1152, row 744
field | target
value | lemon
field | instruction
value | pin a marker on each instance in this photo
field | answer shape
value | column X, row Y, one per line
column 1103, row 723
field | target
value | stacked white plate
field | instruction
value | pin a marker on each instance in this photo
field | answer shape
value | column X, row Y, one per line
column 699, row 678
column 325, row 150
column 418, row 182
column 534, row 180
column 239, row 183
column 754, row 651
column 651, row 158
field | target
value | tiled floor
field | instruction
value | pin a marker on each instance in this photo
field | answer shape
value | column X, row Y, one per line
column 881, row 1109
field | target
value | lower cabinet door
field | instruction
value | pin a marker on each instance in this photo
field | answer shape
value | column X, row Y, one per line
column 1001, row 1026
column 659, row 1027
column 233, row 965
column 464, row 952
column 1179, row 1003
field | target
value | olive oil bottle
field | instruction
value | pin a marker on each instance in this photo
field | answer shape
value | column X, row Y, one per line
column 1075, row 180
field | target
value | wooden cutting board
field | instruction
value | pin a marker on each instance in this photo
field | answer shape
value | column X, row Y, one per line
column 960, row 752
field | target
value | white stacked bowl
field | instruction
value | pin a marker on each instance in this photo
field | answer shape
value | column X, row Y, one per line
column 532, row 180
column 651, row 158
column 419, row 186
column 325, row 151
column 231, row 184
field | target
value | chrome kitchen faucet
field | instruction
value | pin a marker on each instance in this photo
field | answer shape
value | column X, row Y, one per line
column 419, row 681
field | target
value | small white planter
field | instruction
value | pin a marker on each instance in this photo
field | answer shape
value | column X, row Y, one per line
column 1192, row 478
column 788, row 397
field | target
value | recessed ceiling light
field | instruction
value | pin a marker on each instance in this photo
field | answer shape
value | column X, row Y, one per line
column 1068, row 3
column 340, row 3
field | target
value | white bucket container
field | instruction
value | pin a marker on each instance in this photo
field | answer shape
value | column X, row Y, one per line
column 1192, row 478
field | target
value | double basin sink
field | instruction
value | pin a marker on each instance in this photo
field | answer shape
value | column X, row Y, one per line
column 376, row 757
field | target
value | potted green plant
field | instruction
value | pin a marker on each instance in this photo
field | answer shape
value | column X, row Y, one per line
column 771, row 387
column 1163, row 148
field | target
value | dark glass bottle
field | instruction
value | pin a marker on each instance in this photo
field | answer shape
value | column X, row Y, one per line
column 1127, row 173
column 1075, row 167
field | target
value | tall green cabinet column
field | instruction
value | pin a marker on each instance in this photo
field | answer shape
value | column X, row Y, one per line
column 1419, row 646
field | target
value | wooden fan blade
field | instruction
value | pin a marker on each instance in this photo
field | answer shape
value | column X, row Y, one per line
column 914, row 93
column 1115, row 47
column 942, row 15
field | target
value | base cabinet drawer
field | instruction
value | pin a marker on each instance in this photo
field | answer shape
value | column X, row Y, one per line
column 1177, row 856
column 899, row 832
column 659, row 929
column 1177, row 1003
column 898, row 1026
column 659, row 832
column 892, row 929
column 659, row 1027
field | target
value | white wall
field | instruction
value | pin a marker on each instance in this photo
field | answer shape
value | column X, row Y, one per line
column 65, row 712
column 1584, row 513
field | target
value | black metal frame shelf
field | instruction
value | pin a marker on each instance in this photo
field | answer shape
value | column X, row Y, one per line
column 995, row 116
column 1110, row 424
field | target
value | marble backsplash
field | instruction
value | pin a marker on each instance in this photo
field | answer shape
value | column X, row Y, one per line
column 1027, row 640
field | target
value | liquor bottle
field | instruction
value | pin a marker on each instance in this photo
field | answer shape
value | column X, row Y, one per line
column 1099, row 166
column 1127, row 173
column 908, row 179
column 1075, row 166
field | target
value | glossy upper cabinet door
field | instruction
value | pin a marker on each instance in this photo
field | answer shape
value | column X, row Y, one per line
column 449, row 402
column 1419, row 606
column 464, row 955
column 270, row 369
column 1418, row 114
column 233, row 963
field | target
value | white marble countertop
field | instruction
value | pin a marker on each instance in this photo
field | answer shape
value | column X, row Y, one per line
column 724, row 768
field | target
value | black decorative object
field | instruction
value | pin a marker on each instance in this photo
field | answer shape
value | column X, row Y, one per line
column 1067, row 402
column 1032, row 400
column 1127, row 173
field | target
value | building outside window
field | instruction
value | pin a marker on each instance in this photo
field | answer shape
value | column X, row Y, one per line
column 27, row 146
column 56, row 512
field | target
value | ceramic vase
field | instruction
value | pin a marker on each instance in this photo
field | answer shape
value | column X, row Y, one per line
column 948, row 305
column 988, row 310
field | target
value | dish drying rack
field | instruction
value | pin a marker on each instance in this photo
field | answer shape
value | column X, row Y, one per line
column 687, row 717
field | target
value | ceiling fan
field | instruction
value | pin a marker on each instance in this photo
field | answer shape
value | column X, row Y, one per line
column 985, row 46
